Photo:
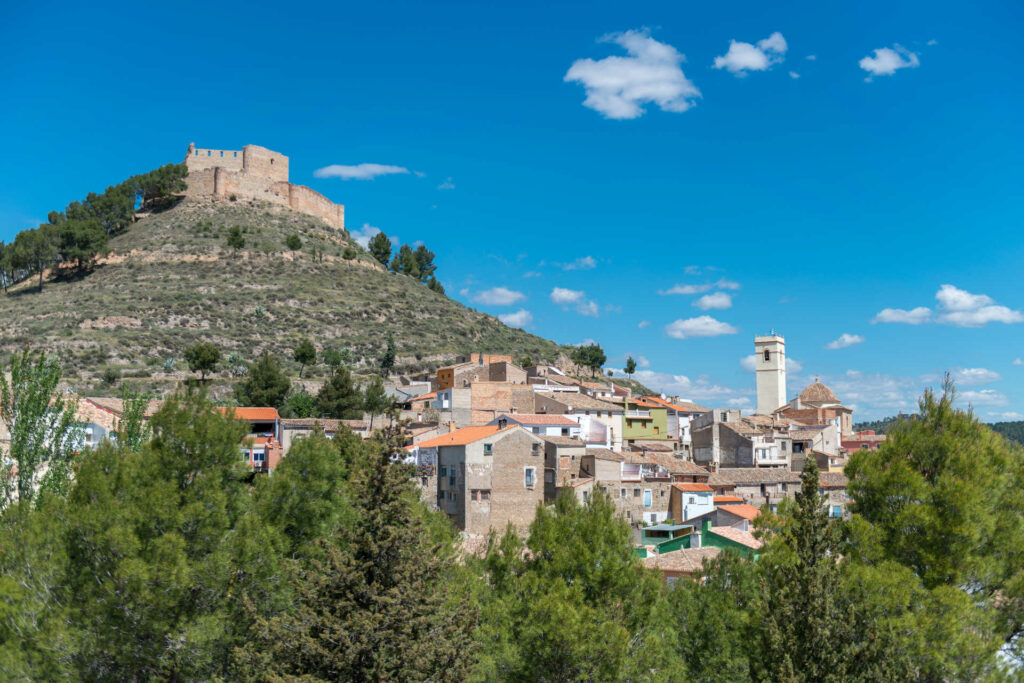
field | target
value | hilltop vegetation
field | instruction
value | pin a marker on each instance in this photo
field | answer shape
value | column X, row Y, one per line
column 1014, row 431
column 250, row 278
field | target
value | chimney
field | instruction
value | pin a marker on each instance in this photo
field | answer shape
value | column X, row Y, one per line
column 502, row 422
column 451, row 427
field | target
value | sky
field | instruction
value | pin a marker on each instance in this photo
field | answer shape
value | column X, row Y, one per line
column 668, row 179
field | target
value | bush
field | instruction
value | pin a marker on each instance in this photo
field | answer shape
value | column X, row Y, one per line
column 294, row 242
column 111, row 376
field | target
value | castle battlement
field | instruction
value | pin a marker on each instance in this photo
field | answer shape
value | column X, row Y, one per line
column 255, row 172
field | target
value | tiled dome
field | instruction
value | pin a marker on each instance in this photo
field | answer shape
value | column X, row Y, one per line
column 818, row 393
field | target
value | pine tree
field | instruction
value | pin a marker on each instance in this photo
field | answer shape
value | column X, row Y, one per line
column 202, row 357
column 305, row 354
column 375, row 399
column 339, row 398
column 387, row 359
column 630, row 367
column 265, row 385
column 380, row 248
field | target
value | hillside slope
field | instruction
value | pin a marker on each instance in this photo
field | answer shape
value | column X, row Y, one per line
column 171, row 280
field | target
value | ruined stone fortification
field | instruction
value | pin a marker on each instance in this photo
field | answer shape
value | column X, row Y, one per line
column 255, row 173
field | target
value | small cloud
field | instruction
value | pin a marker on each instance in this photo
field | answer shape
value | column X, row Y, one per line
column 888, row 61
column 612, row 308
column 363, row 235
column 582, row 263
column 984, row 397
column 563, row 296
column 963, row 309
column 974, row 376
column 647, row 323
column 743, row 57
column 738, row 402
column 794, row 75
column 446, row 185
column 498, row 296
column 521, row 318
column 811, row 57
column 359, row 171
column 617, row 87
column 932, row 42
column 692, row 270
column 749, row 363
column 701, row 288
column 531, row 273
column 845, row 340
column 1018, row 361
column 716, row 301
column 914, row 316
column 701, row 326
column 1010, row 416
column 589, row 309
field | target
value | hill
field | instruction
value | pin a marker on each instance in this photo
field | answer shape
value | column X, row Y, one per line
column 1014, row 431
column 171, row 280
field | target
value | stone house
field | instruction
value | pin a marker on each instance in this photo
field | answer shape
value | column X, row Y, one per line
column 817, row 404
column 832, row 485
column 600, row 421
column 464, row 374
column 727, row 439
column 293, row 429
column 760, row 486
column 679, row 564
column 563, row 463
column 488, row 477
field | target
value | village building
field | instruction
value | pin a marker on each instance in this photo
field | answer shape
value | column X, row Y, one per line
column 293, row 429
column 866, row 440
column 690, row 500
column 644, row 420
column 542, row 425
column 600, row 421
column 679, row 414
column 261, row 448
column 680, row 564
column 817, row 404
column 724, row 438
column 761, row 486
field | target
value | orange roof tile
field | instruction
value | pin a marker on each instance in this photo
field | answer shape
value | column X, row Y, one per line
column 728, row 499
column 460, row 437
column 742, row 510
column 742, row 537
column 540, row 419
column 424, row 397
column 252, row 414
column 694, row 488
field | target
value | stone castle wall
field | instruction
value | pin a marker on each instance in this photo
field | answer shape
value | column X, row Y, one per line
column 255, row 173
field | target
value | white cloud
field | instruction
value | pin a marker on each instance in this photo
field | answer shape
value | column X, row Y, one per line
column 915, row 316
column 811, row 57
column 749, row 363
column 359, row 171
column 589, row 309
column 932, row 42
column 531, row 273
column 618, row 86
column 845, row 340
column 647, row 323
column 794, row 75
column 973, row 376
column 718, row 301
column 521, row 318
column 582, row 263
column 700, row 389
column 743, row 57
column 701, row 288
column 984, row 397
column 498, row 296
column 739, row 402
column 446, row 185
column 701, row 326
column 562, row 296
column 363, row 235
column 1018, row 361
column 888, row 60
column 963, row 309
column 1009, row 416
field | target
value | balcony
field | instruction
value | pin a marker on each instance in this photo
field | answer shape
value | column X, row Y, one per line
column 642, row 414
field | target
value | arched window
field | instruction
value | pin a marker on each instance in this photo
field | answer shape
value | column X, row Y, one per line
column 767, row 355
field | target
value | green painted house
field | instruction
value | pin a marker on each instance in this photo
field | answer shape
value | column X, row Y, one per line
column 644, row 421
column 730, row 538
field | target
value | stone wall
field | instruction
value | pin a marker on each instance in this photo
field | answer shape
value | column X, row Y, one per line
column 490, row 399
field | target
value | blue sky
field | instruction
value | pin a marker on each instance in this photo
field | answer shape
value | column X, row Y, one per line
column 805, row 167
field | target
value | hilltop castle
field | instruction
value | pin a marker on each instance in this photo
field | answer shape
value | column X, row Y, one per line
column 255, row 173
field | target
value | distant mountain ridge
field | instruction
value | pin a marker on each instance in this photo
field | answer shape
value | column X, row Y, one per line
column 1014, row 431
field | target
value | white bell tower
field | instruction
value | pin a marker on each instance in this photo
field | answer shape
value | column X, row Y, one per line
column 770, row 361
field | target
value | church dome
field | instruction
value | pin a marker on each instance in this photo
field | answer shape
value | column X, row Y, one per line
column 818, row 393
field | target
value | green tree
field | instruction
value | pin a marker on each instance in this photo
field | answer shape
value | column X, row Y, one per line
column 265, row 385
column 387, row 359
column 81, row 242
column 235, row 239
column 574, row 604
column 294, row 242
column 589, row 356
column 304, row 354
column 380, row 248
column 339, row 398
column 382, row 603
column 435, row 286
column 132, row 428
column 299, row 404
column 630, row 367
column 336, row 358
column 202, row 357
column 42, row 430
column 375, row 399
column 424, row 263
column 944, row 498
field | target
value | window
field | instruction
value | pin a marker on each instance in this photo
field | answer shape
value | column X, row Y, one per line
column 648, row 498
column 693, row 499
column 444, row 471
column 259, row 456
column 837, row 511
column 549, row 476
column 565, row 431
column 622, row 493
column 485, row 494
column 663, row 493
column 271, row 162
column 222, row 153
column 767, row 355
column 209, row 153
column 536, row 430
column 725, row 417
column 657, row 430
column 236, row 155
column 584, row 496
column 536, row 449
column 528, row 476
column 488, row 449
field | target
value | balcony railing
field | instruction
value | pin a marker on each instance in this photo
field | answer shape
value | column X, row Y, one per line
column 638, row 413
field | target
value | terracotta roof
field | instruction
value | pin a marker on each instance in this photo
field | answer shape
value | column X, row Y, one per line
column 816, row 392
column 460, row 437
column 726, row 500
column 742, row 537
column 605, row 454
column 759, row 475
column 680, row 406
column 563, row 441
column 685, row 560
column 646, row 403
column 578, row 401
column 669, row 462
column 717, row 479
column 540, row 419
column 252, row 414
column 832, row 480
column 424, row 397
column 866, row 438
column 577, row 482
column 693, row 487
column 743, row 510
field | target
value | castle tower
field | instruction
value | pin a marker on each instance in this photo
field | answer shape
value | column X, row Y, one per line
column 770, row 361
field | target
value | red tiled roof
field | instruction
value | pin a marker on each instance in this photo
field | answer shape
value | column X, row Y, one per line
column 748, row 512
column 460, row 437
column 684, row 560
column 252, row 414
column 694, row 488
column 726, row 500
column 742, row 537
column 424, row 397
column 681, row 406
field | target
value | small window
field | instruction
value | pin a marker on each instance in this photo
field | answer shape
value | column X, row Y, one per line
column 622, row 493
column 444, row 471
column 209, row 153
column 236, row 155
column 485, row 494
column 259, row 457
column 528, row 477
column 222, row 153
column 648, row 498
column 197, row 152
column 837, row 511
column 488, row 449
column 565, row 431
column 636, row 493
column 693, row 499
column 584, row 496
column 271, row 162
column 536, row 449
column 767, row 355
